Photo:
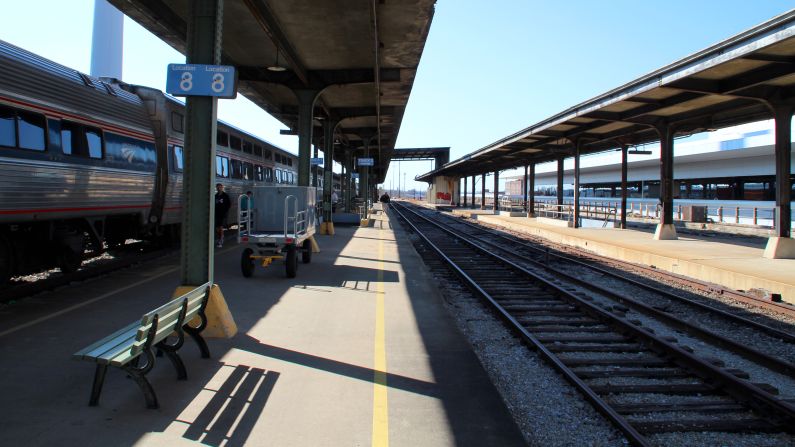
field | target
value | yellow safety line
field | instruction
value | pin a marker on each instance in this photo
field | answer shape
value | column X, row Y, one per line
column 380, row 410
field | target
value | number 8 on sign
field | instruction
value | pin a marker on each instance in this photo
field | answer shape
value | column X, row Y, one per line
column 218, row 83
column 186, row 81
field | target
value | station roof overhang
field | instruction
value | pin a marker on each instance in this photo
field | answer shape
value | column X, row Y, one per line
column 730, row 83
column 362, row 56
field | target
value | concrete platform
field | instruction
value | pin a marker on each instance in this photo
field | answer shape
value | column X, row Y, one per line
column 735, row 264
column 357, row 350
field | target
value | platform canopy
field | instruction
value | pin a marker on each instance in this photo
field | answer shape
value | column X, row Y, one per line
column 361, row 55
column 733, row 82
column 440, row 155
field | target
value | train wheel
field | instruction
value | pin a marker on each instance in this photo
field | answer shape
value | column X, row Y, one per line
column 306, row 252
column 69, row 260
column 246, row 263
column 6, row 260
column 291, row 261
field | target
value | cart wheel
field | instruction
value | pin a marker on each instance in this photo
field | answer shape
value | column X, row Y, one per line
column 291, row 261
column 306, row 252
column 246, row 263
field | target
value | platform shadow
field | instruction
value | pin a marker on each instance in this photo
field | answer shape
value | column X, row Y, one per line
column 357, row 372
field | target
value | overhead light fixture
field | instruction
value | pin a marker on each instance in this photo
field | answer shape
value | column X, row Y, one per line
column 276, row 67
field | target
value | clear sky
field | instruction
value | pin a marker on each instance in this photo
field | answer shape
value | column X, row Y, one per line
column 490, row 68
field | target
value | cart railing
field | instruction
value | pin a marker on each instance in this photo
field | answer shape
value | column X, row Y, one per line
column 298, row 219
column 244, row 217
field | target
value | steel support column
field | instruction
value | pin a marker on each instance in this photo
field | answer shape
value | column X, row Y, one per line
column 203, row 47
column 473, row 191
column 465, row 192
column 665, row 230
column 531, row 191
column 483, row 191
column 577, row 149
column 782, row 246
column 306, row 105
column 624, row 150
column 458, row 196
column 560, row 184
column 524, row 189
column 496, row 193
column 349, row 182
column 364, row 176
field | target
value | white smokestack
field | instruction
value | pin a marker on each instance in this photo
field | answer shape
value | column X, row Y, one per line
column 106, row 46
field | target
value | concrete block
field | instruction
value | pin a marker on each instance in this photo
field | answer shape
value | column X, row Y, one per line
column 780, row 248
column 220, row 323
column 665, row 232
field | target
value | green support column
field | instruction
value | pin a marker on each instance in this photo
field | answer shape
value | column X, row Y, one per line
column 464, row 191
column 473, row 191
column 781, row 245
column 524, row 189
column 203, row 47
column 531, row 191
column 328, row 166
column 306, row 104
column 348, row 180
column 624, row 150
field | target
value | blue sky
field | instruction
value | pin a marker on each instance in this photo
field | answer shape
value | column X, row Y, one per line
column 489, row 68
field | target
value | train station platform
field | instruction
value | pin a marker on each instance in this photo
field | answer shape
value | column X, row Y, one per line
column 732, row 262
column 356, row 350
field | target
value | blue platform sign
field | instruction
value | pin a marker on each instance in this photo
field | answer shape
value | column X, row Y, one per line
column 316, row 161
column 201, row 80
column 365, row 162
column 354, row 175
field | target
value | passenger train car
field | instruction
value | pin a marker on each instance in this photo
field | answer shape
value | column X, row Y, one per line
column 85, row 161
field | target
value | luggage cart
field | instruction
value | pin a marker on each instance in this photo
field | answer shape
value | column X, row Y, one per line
column 278, row 222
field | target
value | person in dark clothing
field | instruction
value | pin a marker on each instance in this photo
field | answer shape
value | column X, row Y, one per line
column 384, row 201
column 222, row 205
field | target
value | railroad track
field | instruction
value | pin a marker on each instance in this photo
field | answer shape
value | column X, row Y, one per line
column 673, row 309
column 643, row 383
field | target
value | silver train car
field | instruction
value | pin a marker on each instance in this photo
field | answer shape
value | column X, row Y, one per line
column 87, row 163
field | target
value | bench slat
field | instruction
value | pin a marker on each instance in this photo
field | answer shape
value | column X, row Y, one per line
column 90, row 350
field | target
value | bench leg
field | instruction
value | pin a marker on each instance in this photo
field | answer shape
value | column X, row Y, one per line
column 182, row 374
column 140, row 379
column 96, row 389
column 197, row 337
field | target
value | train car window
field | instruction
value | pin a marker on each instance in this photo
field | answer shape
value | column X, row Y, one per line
column 258, row 150
column 269, row 175
column 31, row 131
column 177, row 122
column 8, row 133
column 234, row 142
column 94, row 142
column 221, row 166
column 178, row 160
column 278, row 176
column 248, row 171
column 248, row 147
column 267, row 154
column 236, row 169
column 258, row 173
column 222, row 139
column 70, row 138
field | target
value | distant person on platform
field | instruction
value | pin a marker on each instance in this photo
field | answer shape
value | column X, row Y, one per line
column 384, row 201
column 334, row 199
column 222, row 205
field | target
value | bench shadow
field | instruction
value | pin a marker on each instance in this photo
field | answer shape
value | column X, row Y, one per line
column 230, row 415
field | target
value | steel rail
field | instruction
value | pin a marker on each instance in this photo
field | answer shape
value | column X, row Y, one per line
column 784, row 335
column 777, row 364
column 750, row 394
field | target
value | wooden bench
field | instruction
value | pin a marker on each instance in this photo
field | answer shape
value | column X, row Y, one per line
column 124, row 348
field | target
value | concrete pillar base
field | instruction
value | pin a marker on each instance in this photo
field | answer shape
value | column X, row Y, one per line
column 315, row 246
column 780, row 248
column 665, row 232
column 220, row 323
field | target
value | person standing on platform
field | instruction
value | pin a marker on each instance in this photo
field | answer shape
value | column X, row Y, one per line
column 384, row 201
column 334, row 199
column 222, row 205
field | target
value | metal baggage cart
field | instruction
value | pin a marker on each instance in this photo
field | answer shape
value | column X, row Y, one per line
column 277, row 222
